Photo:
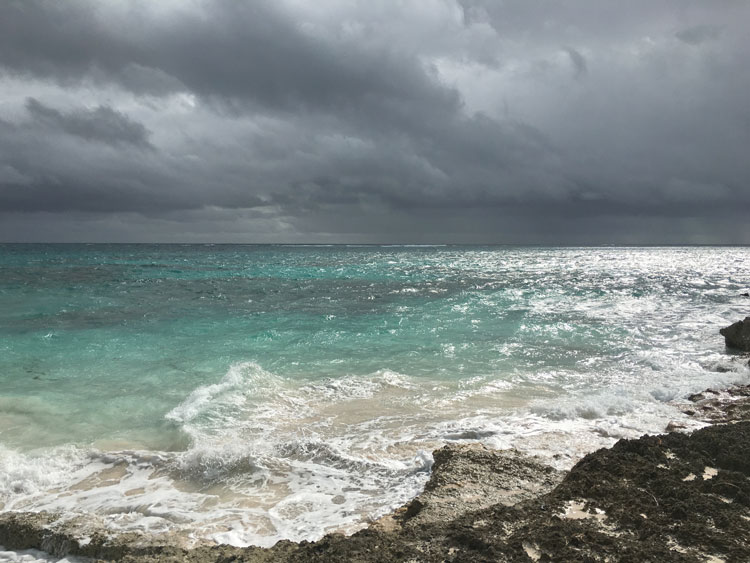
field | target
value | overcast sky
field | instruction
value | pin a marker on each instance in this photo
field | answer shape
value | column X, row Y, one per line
column 528, row 121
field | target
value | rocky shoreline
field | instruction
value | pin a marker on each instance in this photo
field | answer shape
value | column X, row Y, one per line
column 670, row 497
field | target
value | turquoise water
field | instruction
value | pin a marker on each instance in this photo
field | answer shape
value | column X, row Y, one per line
column 278, row 378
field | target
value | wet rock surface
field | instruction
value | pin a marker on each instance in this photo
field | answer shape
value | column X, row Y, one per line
column 672, row 497
column 737, row 335
column 728, row 405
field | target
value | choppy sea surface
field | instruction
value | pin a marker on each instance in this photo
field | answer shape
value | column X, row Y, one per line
column 247, row 394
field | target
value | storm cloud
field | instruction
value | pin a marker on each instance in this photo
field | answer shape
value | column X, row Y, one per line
column 440, row 121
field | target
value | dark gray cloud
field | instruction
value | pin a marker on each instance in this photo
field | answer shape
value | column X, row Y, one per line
column 451, row 120
column 101, row 124
column 235, row 53
column 698, row 34
column 578, row 61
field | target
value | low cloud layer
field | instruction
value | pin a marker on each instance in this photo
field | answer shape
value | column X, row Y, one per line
column 440, row 121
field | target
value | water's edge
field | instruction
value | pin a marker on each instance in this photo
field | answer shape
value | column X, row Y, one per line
column 489, row 488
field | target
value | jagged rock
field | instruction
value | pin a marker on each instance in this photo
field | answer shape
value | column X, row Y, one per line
column 737, row 335
column 471, row 476
column 674, row 497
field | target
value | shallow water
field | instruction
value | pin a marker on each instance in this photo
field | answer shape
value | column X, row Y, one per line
column 36, row 556
column 251, row 393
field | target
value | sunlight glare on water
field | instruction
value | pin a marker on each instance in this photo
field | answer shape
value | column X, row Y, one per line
column 252, row 393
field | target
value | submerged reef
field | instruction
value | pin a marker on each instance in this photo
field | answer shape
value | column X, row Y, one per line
column 671, row 497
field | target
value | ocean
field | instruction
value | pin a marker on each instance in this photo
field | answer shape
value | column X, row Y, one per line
column 251, row 393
